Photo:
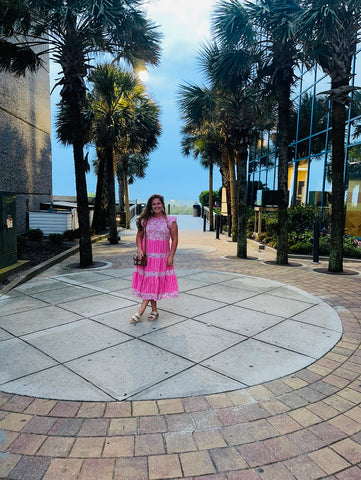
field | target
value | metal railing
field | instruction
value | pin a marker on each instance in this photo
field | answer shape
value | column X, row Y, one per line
column 132, row 212
column 206, row 213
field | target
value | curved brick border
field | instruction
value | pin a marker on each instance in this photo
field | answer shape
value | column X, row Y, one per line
column 303, row 426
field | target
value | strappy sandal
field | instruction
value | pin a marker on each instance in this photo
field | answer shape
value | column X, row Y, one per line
column 153, row 316
column 135, row 318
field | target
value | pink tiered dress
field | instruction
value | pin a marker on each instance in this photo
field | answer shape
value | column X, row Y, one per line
column 156, row 280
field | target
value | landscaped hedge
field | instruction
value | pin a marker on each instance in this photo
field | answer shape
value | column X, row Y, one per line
column 300, row 227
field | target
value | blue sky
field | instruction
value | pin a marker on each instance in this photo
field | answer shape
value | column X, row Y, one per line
column 185, row 26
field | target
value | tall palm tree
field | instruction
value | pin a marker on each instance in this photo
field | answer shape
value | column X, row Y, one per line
column 113, row 91
column 73, row 31
column 141, row 132
column 136, row 165
column 232, row 71
column 270, row 25
column 202, row 132
column 100, row 211
column 205, row 144
column 330, row 32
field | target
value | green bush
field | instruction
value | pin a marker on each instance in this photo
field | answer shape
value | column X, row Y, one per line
column 250, row 222
column 301, row 218
column 352, row 247
column 71, row 234
column 204, row 197
column 20, row 241
column 300, row 227
column 270, row 225
column 55, row 238
column 302, row 243
column 34, row 234
column 304, row 248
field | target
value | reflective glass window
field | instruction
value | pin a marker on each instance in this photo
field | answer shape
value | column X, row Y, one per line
column 291, row 171
column 316, row 173
column 353, row 199
column 301, row 184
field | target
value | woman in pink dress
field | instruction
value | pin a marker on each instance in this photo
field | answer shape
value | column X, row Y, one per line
column 157, row 279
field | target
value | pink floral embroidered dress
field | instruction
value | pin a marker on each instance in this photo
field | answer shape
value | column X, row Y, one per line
column 156, row 280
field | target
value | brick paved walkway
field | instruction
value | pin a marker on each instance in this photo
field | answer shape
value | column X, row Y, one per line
column 304, row 426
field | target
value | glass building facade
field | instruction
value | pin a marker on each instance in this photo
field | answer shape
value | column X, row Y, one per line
column 309, row 172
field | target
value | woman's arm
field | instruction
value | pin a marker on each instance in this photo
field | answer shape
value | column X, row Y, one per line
column 174, row 238
column 139, row 242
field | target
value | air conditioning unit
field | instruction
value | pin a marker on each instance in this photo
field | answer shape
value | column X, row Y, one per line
column 267, row 198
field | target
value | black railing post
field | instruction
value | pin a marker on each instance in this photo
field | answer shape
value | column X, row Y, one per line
column 218, row 221
column 229, row 225
column 204, row 222
column 316, row 242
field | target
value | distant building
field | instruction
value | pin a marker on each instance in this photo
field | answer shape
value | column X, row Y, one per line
column 25, row 145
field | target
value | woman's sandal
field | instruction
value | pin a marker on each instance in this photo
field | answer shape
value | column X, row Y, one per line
column 153, row 316
column 135, row 318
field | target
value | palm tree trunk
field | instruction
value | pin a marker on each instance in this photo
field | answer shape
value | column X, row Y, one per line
column 210, row 196
column 113, row 231
column 225, row 183
column 121, row 197
column 232, row 185
column 283, row 94
column 338, row 190
column 98, row 223
column 242, row 203
column 85, row 246
column 126, row 198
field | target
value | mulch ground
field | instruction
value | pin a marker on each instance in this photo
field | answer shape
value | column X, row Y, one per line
column 40, row 251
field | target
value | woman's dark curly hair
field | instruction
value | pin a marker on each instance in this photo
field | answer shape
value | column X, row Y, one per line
column 147, row 213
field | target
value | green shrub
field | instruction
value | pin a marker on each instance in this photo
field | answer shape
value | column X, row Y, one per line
column 352, row 247
column 20, row 241
column 270, row 225
column 303, row 248
column 71, row 235
column 301, row 218
column 34, row 234
column 324, row 245
column 55, row 238
column 68, row 235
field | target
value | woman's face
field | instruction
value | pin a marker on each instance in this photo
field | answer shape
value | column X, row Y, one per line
column 157, row 206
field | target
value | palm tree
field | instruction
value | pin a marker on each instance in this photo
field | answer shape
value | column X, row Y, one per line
column 330, row 32
column 269, row 24
column 232, row 71
column 113, row 91
column 73, row 31
column 202, row 133
column 16, row 58
column 141, row 132
column 100, row 211
column 205, row 144
column 136, row 166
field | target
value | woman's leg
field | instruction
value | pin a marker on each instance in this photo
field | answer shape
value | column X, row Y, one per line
column 154, row 313
column 143, row 307
column 136, row 317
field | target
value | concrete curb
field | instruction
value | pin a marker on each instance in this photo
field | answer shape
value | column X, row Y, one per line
column 32, row 272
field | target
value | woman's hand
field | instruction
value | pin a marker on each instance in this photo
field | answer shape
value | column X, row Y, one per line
column 140, row 253
column 170, row 260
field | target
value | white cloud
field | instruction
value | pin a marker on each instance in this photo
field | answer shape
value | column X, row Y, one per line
column 182, row 20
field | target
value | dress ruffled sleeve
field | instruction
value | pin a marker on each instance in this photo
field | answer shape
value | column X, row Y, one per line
column 170, row 220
